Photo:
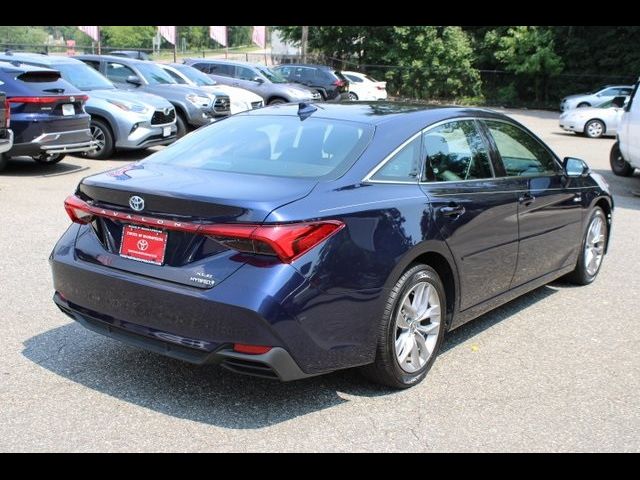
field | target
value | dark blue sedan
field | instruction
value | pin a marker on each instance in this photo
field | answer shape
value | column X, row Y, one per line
column 297, row 240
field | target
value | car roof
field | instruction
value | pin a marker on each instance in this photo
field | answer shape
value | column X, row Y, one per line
column 11, row 67
column 380, row 112
column 308, row 65
column 50, row 60
column 220, row 60
column 115, row 58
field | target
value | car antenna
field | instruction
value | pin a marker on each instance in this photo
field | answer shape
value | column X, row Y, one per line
column 305, row 110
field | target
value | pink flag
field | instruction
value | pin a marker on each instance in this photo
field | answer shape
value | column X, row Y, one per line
column 169, row 34
column 259, row 36
column 219, row 34
column 91, row 31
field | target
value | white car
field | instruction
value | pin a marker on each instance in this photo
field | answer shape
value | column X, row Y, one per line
column 593, row 122
column 363, row 87
column 241, row 99
column 625, row 153
column 589, row 99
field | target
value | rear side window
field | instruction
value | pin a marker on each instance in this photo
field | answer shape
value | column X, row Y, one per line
column 522, row 155
column 353, row 78
column 220, row 69
column 271, row 145
column 93, row 64
column 203, row 67
column 403, row 166
column 456, row 151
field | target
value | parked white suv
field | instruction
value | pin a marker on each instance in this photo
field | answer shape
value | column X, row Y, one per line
column 625, row 153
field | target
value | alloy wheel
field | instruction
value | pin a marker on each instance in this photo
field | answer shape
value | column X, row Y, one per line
column 417, row 326
column 594, row 246
column 98, row 138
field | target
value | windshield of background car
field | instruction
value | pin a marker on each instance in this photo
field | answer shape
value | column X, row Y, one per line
column 84, row 77
column 281, row 146
column 154, row 74
column 274, row 77
column 195, row 75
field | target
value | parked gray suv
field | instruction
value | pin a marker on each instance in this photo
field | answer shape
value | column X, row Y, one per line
column 119, row 119
column 194, row 107
column 270, row 85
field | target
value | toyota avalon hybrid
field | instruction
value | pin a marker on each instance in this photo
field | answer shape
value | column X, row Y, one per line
column 300, row 239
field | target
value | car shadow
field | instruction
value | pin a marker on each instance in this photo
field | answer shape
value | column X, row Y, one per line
column 27, row 167
column 210, row 394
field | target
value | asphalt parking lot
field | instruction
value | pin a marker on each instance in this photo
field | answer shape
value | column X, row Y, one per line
column 555, row 370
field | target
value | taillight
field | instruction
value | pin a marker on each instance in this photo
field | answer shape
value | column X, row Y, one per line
column 339, row 83
column 8, row 113
column 380, row 87
column 78, row 210
column 287, row 241
column 250, row 349
column 49, row 99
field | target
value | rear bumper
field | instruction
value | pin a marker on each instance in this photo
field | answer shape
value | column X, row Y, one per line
column 56, row 142
column 275, row 364
column 7, row 142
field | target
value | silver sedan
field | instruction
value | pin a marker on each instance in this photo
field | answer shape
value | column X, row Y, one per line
column 593, row 122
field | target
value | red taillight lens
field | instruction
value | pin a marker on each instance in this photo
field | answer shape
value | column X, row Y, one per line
column 250, row 349
column 286, row 241
column 380, row 87
column 49, row 99
column 78, row 210
column 339, row 83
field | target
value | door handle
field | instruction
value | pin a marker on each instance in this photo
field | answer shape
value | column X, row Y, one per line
column 527, row 199
column 452, row 210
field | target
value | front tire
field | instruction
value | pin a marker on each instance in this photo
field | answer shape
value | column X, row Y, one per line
column 583, row 104
column 594, row 129
column 277, row 101
column 103, row 137
column 411, row 329
column 49, row 158
column 181, row 126
column 592, row 249
column 4, row 160
column 619, row 165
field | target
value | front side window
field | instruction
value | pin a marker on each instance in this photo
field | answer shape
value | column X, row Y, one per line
column 403, row 166
column 117, row 72
column 154, row 74
column 522, row 155
column 271, row 145
column 244, row 73
column 609, row 92
column 176, row 77
column 456, row 151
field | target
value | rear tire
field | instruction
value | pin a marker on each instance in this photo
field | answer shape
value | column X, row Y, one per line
column 406, row 345
column 352, row 96
column 584, row 104
column 594, row 129
column 619, row 165
column 49, row 158
column 594, row 244
column 4, row 160
column 277, row 101
column 101, row 133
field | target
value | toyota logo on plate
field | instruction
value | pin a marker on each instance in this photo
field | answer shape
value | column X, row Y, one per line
column 136, row 203
column 143, row 245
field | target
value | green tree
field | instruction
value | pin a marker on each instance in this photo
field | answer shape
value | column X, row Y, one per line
column 23, row 35
column 128, row 37
column 530, row 52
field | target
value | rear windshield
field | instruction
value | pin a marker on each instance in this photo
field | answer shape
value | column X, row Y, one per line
column 271, row 145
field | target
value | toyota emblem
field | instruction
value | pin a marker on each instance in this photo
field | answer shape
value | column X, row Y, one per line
column 136, row 203
column 143, row 245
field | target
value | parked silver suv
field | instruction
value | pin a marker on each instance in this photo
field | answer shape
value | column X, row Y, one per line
column 119, row 119
column 270, row 85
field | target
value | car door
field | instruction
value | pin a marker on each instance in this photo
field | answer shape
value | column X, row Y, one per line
column 475, row 212
column 549, row 210
column 630, row 129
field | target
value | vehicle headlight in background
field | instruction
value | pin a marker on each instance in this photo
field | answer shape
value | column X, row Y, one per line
column 130, row 106
column 199, row 100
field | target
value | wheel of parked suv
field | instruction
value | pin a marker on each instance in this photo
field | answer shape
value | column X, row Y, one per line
column 584, row 104
column 593, row 246
column 352, row 96
column 277, row 101
column 411, row 329
column 3, row 161
column 594, row 129
column 619, row 165
column 181, row 126
column 49, row 158
column 103, row 138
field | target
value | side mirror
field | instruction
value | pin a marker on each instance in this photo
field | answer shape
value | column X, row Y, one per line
column 134, row 80
column 575, row 167
column 619, row 101
column 258, row 79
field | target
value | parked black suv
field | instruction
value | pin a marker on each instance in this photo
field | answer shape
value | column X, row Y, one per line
column 47, row 113
column 330, row 83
